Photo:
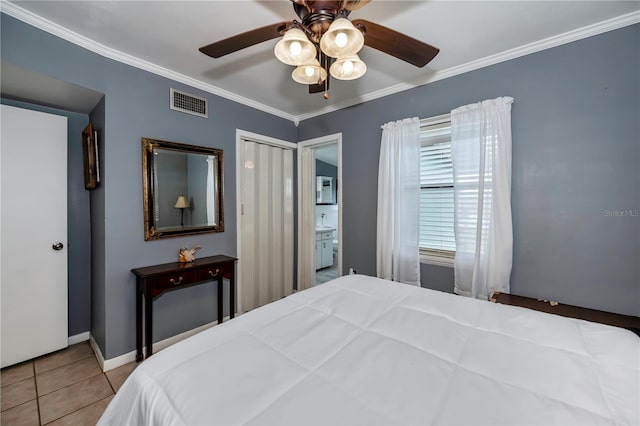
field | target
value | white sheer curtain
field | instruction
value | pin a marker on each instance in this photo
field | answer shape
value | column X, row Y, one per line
column 398, row 253
column 211, row 191
column 481, row 150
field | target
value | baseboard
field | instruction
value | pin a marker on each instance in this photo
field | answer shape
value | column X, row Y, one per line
column 82, row 337
column 110, row 364
column 97, row 351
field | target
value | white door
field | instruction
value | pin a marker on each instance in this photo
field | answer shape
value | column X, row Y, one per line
column 33, row 231
column 265, row 181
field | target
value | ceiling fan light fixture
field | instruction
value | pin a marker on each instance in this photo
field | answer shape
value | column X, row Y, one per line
column 295, row 48
column 348, row 68
column 341, row 39
column 309, row 73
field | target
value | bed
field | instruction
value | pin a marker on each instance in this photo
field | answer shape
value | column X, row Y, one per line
column 361, row 350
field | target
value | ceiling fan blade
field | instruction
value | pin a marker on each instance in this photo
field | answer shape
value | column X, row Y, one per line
column 396, row 44
column 241, row 41
column 356, row 4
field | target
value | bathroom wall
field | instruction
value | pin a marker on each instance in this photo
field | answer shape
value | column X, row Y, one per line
column 331, row 216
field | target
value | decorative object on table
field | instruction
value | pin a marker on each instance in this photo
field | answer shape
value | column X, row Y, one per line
column 188, row 255
column 90, row 157
column 182, row 204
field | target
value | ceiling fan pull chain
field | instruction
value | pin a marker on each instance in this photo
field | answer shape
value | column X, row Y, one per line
column 326, row 87
column 326, row 61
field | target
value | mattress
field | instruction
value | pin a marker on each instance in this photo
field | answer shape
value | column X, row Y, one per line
column 361, row 350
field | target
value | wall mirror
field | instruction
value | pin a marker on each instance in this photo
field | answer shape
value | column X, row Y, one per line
column 326, row 190
column 182, row 186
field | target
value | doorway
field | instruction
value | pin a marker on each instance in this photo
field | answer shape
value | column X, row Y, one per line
column 265, row 219
column 319, row 210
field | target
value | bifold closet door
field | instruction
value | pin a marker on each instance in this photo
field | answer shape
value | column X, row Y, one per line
column 266, row 249
column 33, row 282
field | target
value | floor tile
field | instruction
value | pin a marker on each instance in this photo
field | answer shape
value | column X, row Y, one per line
column 22, row 415
column 18, row 393
column 69, row 374
column 88, row 415
column 327, row 274
column 65, row 356
column 117, row 376
column 16, row 373
column 72, row 398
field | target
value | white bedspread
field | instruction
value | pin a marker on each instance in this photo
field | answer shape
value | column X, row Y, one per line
column 360, row 350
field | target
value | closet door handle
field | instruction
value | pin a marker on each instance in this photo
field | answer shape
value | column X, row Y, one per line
column 57, row 246
column 174, row 282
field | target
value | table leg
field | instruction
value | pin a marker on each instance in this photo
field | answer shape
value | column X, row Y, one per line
column 148, row 324
column 139, row 356
column 232, row 295
column 220, row 306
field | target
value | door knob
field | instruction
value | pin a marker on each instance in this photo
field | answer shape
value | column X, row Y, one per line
column 57, row 246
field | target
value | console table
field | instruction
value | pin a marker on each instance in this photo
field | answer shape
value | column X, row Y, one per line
column 152, row 281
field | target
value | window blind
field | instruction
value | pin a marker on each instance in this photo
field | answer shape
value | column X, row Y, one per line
column 436, row 189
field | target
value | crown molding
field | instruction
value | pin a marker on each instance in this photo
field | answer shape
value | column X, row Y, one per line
column 537, row 46
column 108, row 52
column 527, row 49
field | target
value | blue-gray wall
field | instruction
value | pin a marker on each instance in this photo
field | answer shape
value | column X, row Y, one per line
column 576, row 155
column 136, row 106
column 98, row 233
column 78, row 243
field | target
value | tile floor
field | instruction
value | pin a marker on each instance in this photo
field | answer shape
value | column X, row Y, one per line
column 327, row 274
column 66, row 387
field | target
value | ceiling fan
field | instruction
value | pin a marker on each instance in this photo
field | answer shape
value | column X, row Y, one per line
column 325, row 42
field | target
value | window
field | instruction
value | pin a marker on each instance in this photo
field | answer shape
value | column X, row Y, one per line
column 437, row 239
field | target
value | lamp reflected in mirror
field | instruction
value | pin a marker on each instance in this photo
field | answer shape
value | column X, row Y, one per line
column 182, row 204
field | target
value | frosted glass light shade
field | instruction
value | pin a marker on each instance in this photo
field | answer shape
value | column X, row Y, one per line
column 309, row 73
column 341, row 39
column 348, row 68
column 295, row 48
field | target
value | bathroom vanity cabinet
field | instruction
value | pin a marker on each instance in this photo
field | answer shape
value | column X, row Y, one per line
column 324, row 248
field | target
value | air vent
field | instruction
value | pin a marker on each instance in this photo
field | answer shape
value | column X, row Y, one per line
column 184, row 102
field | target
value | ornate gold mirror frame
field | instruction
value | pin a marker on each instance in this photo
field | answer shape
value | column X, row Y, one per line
column 182, row 189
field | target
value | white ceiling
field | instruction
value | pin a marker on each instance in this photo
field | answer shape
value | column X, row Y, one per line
column 167, row 34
